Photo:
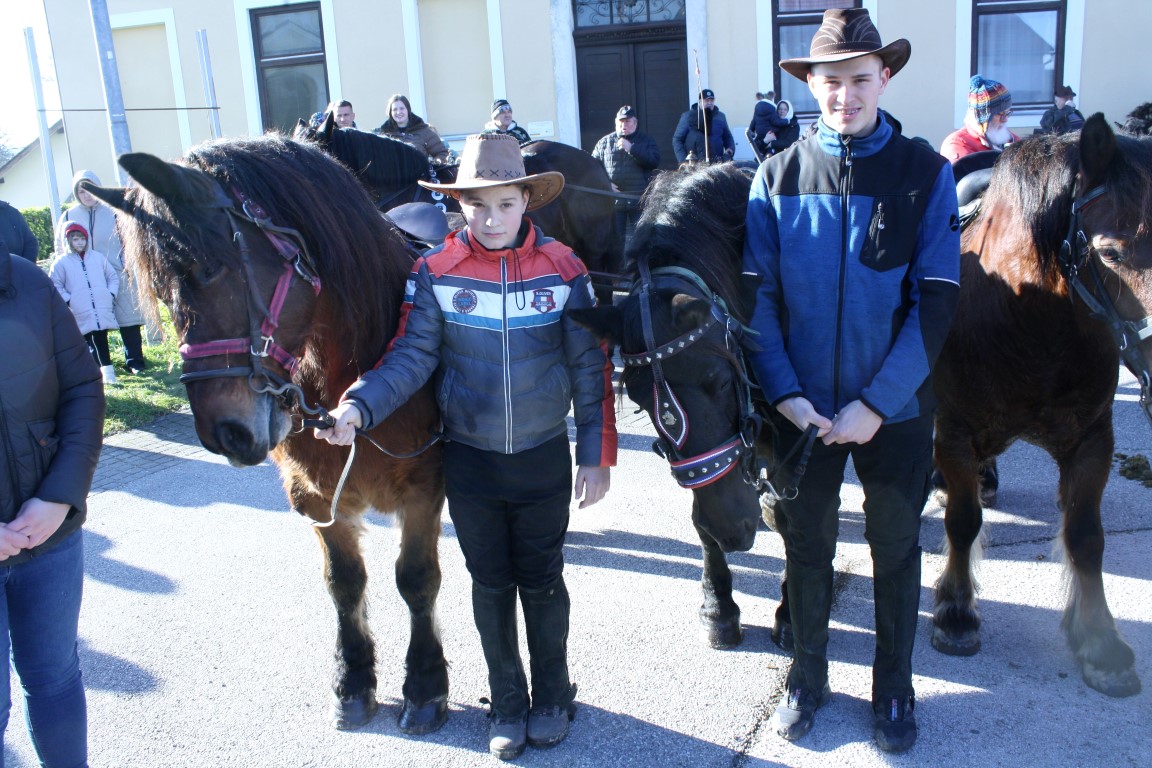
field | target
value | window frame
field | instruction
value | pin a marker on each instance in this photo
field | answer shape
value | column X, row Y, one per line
column 262, row 65
column 982, row 8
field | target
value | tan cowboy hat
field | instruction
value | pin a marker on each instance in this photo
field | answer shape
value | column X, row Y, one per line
column 494, row 160
column 844, row 34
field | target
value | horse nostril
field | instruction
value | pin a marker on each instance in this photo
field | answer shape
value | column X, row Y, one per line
column 234, row 438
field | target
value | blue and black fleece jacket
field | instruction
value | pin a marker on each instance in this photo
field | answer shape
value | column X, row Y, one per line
column 856, row 244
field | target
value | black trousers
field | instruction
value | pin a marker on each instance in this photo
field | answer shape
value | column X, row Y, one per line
column 133, row 347
column 98, row 346
column 894, row 468
column 510, row 511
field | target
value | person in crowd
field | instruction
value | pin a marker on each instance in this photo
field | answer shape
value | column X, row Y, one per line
column 630, row 157
column 765, row 122
column 100, row 223
column 703, row 131
column 788, row 132
column 853, row 242
column 485, row 315
column 343, row 113
column 15, row 231
column 985, row 123
column 52, row 409
column 407, row 126
column 88, row 284
column 1062, row 117
column 503, row 121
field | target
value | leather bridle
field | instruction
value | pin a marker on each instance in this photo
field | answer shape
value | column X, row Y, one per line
column 263, row 319
column 670, row 418
column 1075, row 255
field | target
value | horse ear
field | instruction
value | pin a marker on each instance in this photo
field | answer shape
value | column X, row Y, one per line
column 690, row 312
column 165, row 180
column 606, row 322
column 324, row 134
column 1097, row 148
column 113, row 197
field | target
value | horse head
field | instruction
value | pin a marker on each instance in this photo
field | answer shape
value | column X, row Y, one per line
column 234, row 240
column 679, row 331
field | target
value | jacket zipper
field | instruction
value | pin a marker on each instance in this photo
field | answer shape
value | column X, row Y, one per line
column 845, row 173
column 91, row 293
column 507, row 355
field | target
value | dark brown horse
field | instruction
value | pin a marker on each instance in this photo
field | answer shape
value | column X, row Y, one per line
column 1055, row 280
column 284, row 284
column 582, row 217
column 679, row 331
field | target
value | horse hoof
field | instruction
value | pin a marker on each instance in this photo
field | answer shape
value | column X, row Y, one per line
column 354, row 711
column 419, row 719
column 1117, row 683
column 782, row 635
column 963, row 644
column 723, row 635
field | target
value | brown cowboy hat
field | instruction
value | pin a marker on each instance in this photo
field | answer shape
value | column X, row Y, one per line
column 846, row 34
column 494, row 160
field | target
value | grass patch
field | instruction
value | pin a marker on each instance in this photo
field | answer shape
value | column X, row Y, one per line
column 138, row 399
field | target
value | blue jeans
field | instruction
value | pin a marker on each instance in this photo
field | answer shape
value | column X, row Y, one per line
column 40, row 609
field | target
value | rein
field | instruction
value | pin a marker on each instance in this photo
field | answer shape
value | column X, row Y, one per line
column 1075, row 253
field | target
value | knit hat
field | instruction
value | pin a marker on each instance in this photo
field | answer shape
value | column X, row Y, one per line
column 74, row 227
column 494, row 160
column 500, row 105
column 987, row 98
column 625, row 112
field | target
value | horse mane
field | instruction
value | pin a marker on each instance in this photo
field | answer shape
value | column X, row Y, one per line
column 695, row 220
column 1034, row 181
column 1138, row 122
column 359, row 258
column 380, row 162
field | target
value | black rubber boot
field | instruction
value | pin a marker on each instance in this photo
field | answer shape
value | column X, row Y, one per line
column 495, row 615
column 546, row 624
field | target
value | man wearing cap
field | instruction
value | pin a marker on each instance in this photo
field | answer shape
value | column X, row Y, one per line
column 503, row 122
column 630, row 156
column 986, row 122
column 1064, row 117
column 703, row 131
column 853, row 243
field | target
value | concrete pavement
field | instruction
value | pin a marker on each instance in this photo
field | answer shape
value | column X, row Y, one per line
column 206, row 634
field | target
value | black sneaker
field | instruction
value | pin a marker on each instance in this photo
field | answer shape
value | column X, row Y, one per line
column 894, row 723
column 796, row 712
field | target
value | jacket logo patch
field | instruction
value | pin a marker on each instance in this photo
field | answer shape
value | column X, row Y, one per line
column 464, row 301
column 543, row 300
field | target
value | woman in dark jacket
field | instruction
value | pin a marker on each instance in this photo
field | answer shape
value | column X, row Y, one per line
column 51, row 420
column 410, row 128
column 786, row 135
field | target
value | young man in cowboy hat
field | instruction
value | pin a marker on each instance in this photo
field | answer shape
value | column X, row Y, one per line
column 484, row 313
column 630, row 157
column 853, row 241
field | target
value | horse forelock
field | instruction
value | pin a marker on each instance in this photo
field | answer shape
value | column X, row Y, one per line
column 1130, row 181
column 361, row 264
column 695, row 220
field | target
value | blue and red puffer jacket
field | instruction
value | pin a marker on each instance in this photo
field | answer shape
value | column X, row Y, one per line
column 509, row 364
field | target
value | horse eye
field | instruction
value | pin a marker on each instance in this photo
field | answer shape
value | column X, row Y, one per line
column 1111, row 254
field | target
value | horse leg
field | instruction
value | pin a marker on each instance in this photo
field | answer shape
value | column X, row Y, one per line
column 718, row 613
column 1107, row 663
column 346, row 578
column 782, row 621
column 957, row 620
column 418, row 579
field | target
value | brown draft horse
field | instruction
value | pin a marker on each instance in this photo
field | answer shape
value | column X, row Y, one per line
column 1055, row 279
column 282, row 278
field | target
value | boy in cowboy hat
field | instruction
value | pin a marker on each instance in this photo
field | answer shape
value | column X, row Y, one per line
column 856, row 290
column 484, row 313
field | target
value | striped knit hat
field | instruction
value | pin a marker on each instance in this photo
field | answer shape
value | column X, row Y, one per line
column 987, row 98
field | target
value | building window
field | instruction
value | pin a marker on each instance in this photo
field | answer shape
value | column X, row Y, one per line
column 601, row 13
column 794, row 23
column 290, row 71
column 1021, row 44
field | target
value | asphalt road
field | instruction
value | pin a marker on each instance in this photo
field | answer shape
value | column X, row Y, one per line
column 207, row 636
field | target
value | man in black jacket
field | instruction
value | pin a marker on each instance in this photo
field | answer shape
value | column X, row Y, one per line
column 14, row 230
column 630, row 157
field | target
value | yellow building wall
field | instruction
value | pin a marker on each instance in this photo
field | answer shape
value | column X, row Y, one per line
column 457, row 65
column 1114, row 78
column 528, row 61
column 372, row 47
column 143, row 51
column 732, row 47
